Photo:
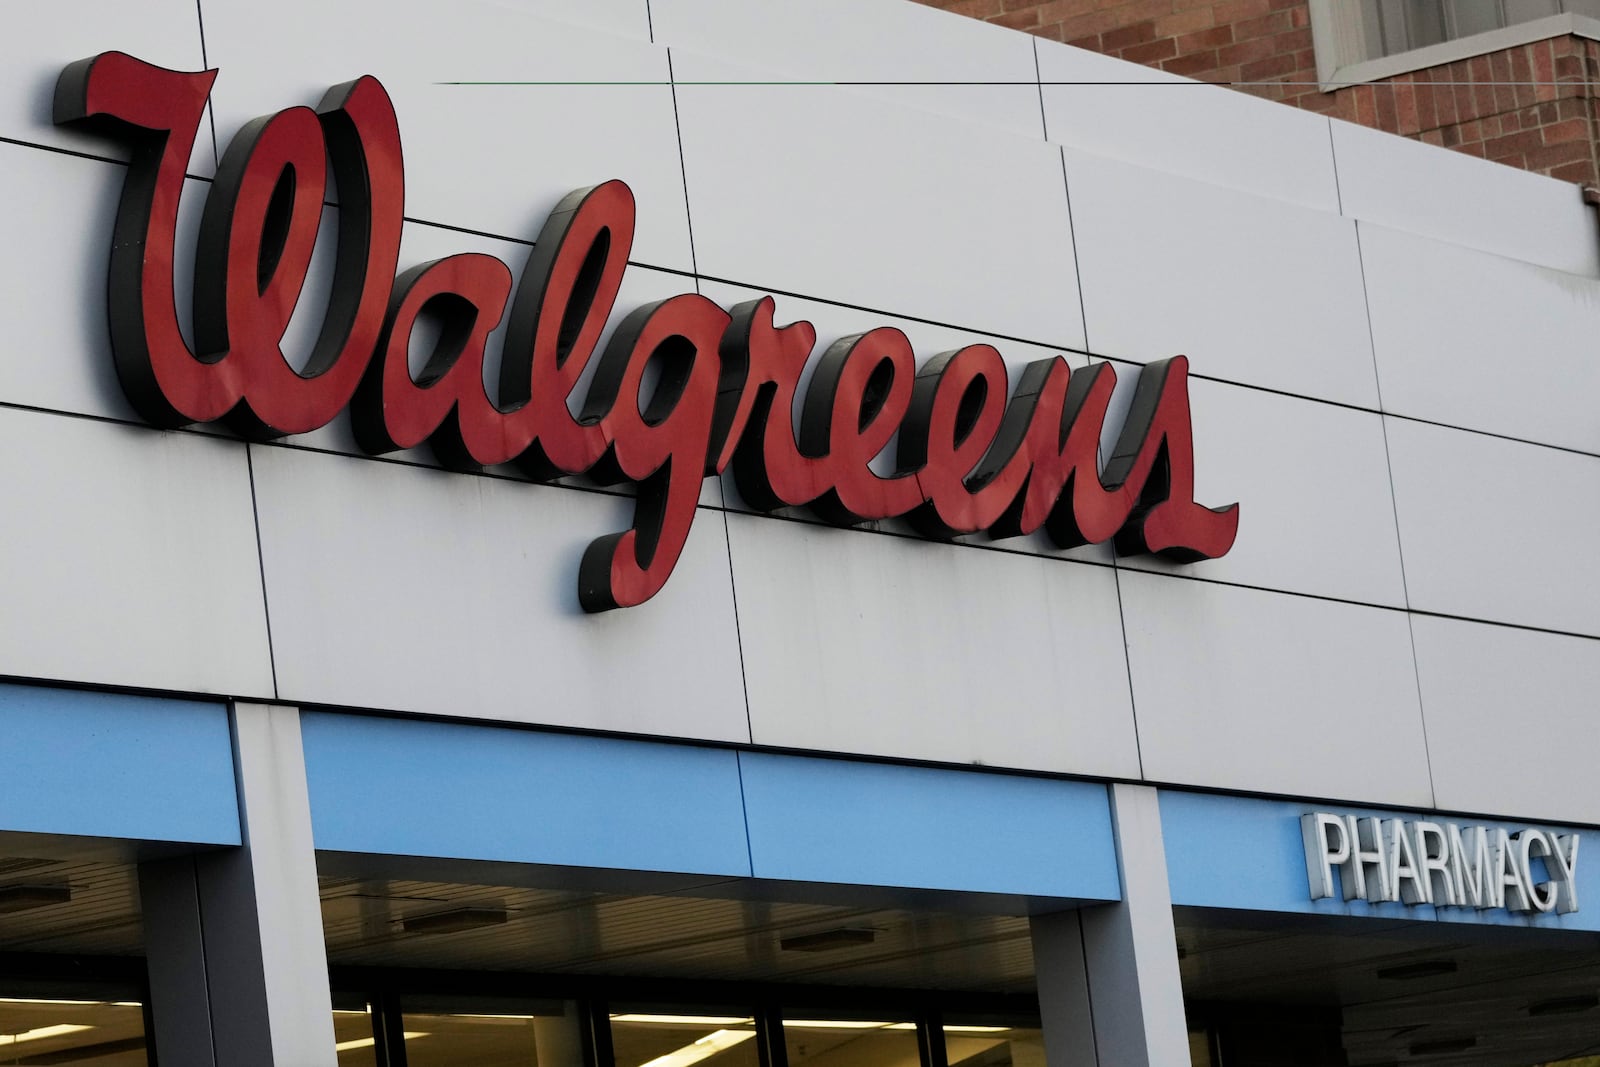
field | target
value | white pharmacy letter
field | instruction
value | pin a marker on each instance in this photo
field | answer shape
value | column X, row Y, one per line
column 1368, row 857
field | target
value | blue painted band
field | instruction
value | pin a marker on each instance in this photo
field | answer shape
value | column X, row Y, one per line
column 110, row 765
column 1247, row 853
column 405, row 787
column 836, row 821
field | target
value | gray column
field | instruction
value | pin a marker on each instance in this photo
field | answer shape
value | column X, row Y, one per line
column 238, row 970
column 1109, row 989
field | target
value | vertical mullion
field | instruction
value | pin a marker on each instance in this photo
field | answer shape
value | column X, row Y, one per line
column 597, row 1050
column 388, row 1030
column 770, row 1045
column 930, row 1038
column 151, row 1053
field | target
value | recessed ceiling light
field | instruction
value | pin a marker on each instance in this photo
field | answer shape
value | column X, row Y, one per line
column 1425, row 969
column 702, row 1048
column 1564, row 1005
column 449, row 922
column 683, row 1020
column 828, row 940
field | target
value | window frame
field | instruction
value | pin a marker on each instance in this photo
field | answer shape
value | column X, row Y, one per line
column 1338, row 37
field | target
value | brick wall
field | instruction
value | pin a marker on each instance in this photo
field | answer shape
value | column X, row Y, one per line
column 1264, row 47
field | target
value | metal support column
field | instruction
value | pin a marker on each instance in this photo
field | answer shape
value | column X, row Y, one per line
column 238, row 969
column 1109, row 989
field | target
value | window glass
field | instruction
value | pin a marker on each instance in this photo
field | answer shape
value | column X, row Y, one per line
column 849, row 1039
column 1394, row 26
column 651, row 1036
column 352, row 1036
column 479, row 1032
column 102, row 1033
column 992, row 1043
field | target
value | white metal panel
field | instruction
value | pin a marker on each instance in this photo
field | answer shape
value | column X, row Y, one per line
column 1510, row 718
column 1251, row 289
column 1464, row 200
column 55, row 242
column 1247, row 690
column 56, row 231
column 1312, row 483
column 1154, row 119
column 822, row 192
column 41, row 39
column 1483, row 342
column 494, row 158
column 909, row 53
column 411, row 589
column 626, row 18
column 1495, row 529
column 868, row 643
column 130, row 557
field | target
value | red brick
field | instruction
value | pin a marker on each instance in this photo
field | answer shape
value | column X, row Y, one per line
column 1405, row 106
column 1366, row 105
column 1444, row 104
column 1570, row 130
column 1239, row 10
column 1246, row 51
column 1192, row 65
column 1181, row 22
column 978, row 9
column 1215, row 37
column 1386, row 112
column 1126, row 36
column 1018, row 20
column 1265, row 26
column 1556, row 155
column 1263, row 69
column 1149, row 53
column 1427, row 102
column 1482, row 86
column 1583, row 172
column 1292, row 41
column 1513, row 143
column 1522, row 74
column 1544, row 70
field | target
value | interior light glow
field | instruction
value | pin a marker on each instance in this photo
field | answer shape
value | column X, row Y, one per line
column 701, row 1048
column 368, row 1042
column 844, row 1024
column 684, row 1020
column 59, row 1030
column 84, row 1003
column 977, row 1029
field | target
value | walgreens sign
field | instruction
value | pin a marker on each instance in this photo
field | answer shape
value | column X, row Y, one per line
column 682, row 391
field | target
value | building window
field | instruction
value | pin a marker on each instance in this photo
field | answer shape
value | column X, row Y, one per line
column 1406, row 25
column 1365, row 40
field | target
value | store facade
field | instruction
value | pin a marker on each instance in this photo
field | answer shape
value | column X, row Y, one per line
column 948, row 565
